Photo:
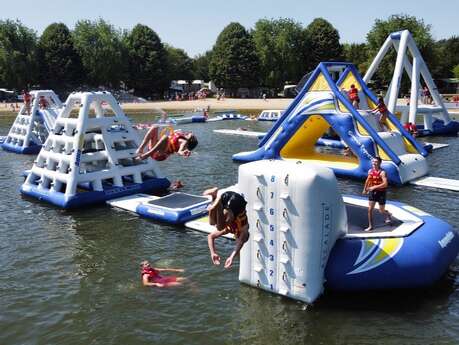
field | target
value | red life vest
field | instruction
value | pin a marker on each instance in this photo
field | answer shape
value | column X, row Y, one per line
column 354, row 94
column 382, row 108
column 151, row 272
column 375, row 178
column 173, row 145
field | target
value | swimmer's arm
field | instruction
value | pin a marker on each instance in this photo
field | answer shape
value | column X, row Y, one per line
column 170, row 269
column 211, row 240
column 182, row 151
column 243, row 237
column 365, row 186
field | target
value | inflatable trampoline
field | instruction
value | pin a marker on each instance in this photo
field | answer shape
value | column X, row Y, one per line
column 175, row 208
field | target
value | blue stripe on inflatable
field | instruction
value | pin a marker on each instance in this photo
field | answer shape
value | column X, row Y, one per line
column 93, row 197
column 29, row 150
column 392, row 117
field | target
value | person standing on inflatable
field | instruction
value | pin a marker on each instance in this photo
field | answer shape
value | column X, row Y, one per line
column 27, row 97
column 151, row 276
column 227, row 212
column 353, row 95
column 376, row 187
column 161, row 146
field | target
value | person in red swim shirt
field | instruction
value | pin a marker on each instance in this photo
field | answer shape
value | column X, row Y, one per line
column 383, row 112
column 161, row 146
column 411, row 127
column 228, row 214
column 353, row 95
column 152, row 276
column 376, row 187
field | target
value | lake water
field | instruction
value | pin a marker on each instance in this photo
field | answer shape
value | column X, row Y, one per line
column 72, row 277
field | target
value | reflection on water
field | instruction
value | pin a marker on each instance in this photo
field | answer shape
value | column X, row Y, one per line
column 72, row 277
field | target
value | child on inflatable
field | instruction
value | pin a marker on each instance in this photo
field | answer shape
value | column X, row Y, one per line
column 376, row 186
column 151, row 276
column 227, row 212
column 353, row 95
column 383, row 112
column 161, row 146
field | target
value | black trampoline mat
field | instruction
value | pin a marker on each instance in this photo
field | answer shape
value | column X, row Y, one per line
column 357, row 219
column 178, row 200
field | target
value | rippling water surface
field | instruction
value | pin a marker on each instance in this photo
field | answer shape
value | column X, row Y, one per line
column 71, row 277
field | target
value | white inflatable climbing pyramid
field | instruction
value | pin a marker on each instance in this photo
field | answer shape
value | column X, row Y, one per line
column 89, row 156
column 33, row 124
column 295, row 214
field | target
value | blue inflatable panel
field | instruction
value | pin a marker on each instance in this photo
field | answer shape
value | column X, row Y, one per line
column 2, row 139
column 374, row 262
column 90, row 197
column 176, row 208
column 439, row 128
column 199, row 118
column 32, row 149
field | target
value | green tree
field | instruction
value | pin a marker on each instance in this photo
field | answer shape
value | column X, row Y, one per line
column 324, row 40
column 382, row 29
column 147, row 61
column 357, row 53
column 234, row 61
column 101, row 50
column 456, row 71
column 18, row 68
column 180, row 64
column 201, row 65
column 281, row 46
column 448, row 51
column 60, row 66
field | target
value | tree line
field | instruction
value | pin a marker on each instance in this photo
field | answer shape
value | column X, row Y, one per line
column 274, row 52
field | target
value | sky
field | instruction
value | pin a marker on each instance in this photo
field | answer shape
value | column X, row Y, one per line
column 194, row 25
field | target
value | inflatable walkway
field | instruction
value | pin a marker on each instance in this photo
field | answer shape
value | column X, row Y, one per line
column 32, row 126
column 323, row 104
column 90, row 158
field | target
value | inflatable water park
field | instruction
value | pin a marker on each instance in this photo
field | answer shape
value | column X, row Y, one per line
column 305, row 235
column 321, row 105
column 33, row 125
column 432, row 109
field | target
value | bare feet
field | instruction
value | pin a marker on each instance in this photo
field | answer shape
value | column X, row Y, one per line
column 212, row 192
column 368, row 229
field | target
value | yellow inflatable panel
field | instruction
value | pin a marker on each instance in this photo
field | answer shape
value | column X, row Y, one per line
column 301, row 146
column 349, row 80
column 320, row 84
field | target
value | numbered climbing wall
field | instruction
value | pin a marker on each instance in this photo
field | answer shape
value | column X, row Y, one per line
column 295, row 213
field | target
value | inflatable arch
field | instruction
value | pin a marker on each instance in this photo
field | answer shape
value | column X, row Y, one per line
column 89, row 157
column 403, row 43
column 322, row 104
column 32, row 126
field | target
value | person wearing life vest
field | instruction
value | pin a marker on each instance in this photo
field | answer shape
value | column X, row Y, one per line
column 228, row 214
column 376, row 187
column 383, row 112
column 411, row 127
column 353, row 95
column 151, row 276
column 160, row 146
column 27, row 97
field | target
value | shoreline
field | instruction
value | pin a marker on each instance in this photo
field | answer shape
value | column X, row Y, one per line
column 254, row 105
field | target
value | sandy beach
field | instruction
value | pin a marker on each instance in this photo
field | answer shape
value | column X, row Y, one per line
column 229, row 103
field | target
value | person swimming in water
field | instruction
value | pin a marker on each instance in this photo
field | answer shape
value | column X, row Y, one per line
column 161, row 146
column 227, row 212
column 151, row 276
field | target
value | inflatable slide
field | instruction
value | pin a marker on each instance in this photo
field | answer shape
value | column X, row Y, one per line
column 323, row 104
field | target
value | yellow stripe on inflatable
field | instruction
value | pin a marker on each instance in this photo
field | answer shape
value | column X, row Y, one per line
column 320, row 84
column 388, row 247
column 301, row 145
column 349, row 80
